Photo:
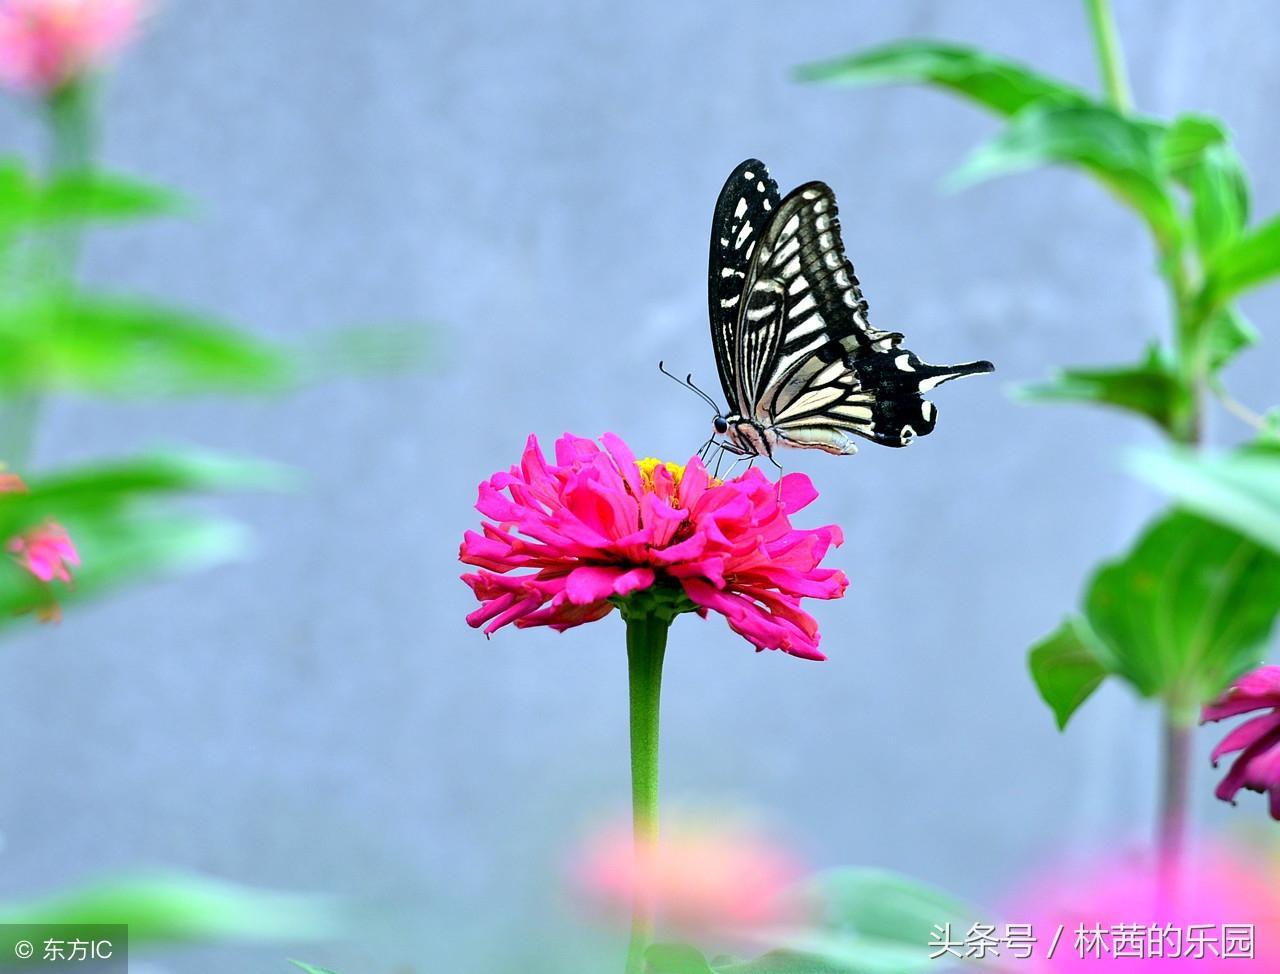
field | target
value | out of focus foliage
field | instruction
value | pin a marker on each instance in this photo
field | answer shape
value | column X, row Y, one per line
column 1194, row 603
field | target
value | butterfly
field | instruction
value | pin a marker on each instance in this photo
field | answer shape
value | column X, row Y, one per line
column 799, row 362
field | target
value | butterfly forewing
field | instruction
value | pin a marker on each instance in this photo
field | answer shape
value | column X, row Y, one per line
column 746, row 204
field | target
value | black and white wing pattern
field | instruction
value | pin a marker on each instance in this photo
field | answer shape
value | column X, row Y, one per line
column 747, row 202
column 804, row 365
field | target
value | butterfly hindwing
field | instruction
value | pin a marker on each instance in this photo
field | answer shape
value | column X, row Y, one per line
column 746, row 203
column 877, row 395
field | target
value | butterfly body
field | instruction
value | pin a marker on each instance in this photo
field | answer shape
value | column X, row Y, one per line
column 799, row 362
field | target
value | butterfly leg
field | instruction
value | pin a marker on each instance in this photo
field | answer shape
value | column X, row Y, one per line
column 704, row 450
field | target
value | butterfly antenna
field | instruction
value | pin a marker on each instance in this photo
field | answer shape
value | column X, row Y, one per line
column 688, row 384
column 688, row 381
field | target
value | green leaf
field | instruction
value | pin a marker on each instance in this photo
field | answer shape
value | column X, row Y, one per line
column 119, row 530
column 1003, row 86
column 794, row 962
column 1240, row 490
column 1196, row 152
column 1187, row 610
column 106, row 345
column 1067, row 666
column 309, row 968
column 676, row 959
column 1219, row 198
column 1118, row 150
column 1227, row 333
column 184, row 909
column 871, row 922
column 102, row 196
column 1186, row 140
column 1251, row 260
column 26, row 201
column 1150, row 388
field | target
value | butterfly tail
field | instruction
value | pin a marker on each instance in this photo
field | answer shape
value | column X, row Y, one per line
column 932, row 376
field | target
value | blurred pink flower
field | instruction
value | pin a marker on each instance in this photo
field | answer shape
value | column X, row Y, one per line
column 46, row 43
column 598, row 524
column 1124, row 913
column 1257, row 739
column 46, row 551
column 701, row 878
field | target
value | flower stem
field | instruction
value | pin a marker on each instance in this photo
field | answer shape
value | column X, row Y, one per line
column 646, row 646
column 1110, row 55
column 69, row 118
column 1175, row 792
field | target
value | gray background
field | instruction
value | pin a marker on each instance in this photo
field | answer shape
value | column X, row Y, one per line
column 538, row 180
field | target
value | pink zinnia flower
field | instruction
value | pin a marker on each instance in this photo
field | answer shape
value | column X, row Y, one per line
column 701, row 878
column 1258, row 739
column 598, row 525
column 45, row 44
column 46, row 551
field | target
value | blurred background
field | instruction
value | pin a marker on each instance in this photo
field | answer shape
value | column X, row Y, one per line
column 537, row 181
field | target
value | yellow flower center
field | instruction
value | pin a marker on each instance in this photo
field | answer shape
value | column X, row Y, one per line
column 648, row 465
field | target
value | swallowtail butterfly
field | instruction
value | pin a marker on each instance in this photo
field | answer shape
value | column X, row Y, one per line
column 799, row 362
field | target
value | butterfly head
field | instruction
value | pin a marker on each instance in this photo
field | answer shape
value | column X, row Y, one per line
column 720, row 425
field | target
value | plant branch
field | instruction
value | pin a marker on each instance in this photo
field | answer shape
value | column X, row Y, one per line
column 1174, row 794
column 1106, row 39
column 69, row 118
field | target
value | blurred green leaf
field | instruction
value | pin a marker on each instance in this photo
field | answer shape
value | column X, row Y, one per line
column 1226, row 334
column 871, row 921
column 1067, row 666
column 1219, row 198
column 1117, row 149
column 107, row 345
column 1186, row 139
column 793, row 962
column 26, row 201
column 1150, row 388
column 184, row 909
column 676, row 959
column 1187, row 609
column 683, row 959
column 309, row 968
column 1240, row 490
column 1003, row 86
column 1251, row 260
column 119, row 530
column 116, row 549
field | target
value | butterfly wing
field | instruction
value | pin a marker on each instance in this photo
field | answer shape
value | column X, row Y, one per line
column 746, row 203
column 812, row 367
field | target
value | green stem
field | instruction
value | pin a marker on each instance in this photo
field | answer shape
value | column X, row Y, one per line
column 69, row 116
column 1175, row 793
column 646, row 646
column 1110, row 55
